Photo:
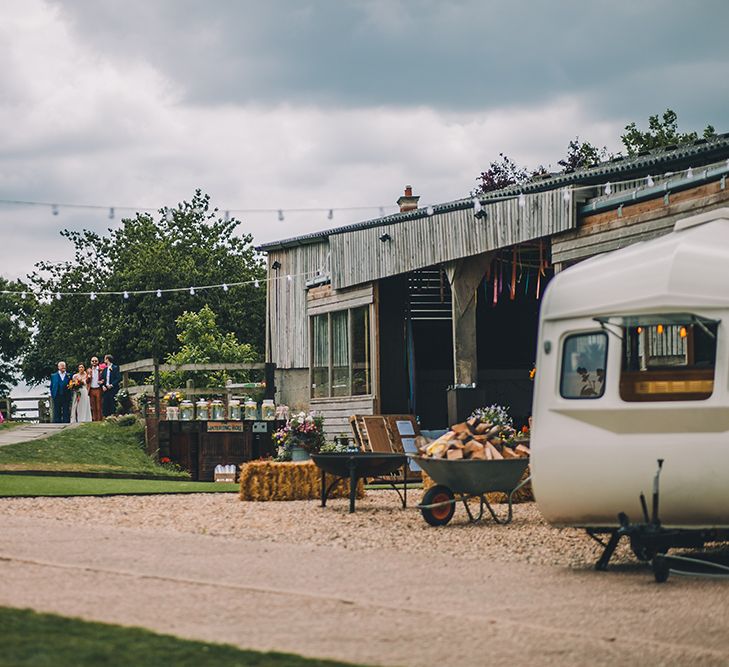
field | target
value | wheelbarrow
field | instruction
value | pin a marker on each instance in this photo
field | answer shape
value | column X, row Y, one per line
column 464, row 480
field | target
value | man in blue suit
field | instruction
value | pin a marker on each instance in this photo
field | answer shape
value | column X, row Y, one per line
column 61, row 395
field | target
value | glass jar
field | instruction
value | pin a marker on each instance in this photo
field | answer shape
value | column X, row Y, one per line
column 203, row 410
column 187, row 411
column 251, row 409
column 268, row 410
column 234, row 409
column 217, row 410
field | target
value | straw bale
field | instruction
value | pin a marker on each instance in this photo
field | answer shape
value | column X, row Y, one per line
column 273, row 480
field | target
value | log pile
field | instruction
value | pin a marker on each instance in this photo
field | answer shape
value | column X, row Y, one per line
column 477, row 439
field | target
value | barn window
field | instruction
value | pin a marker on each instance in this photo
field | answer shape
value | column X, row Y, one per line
column 584, row 357
column 341, row 364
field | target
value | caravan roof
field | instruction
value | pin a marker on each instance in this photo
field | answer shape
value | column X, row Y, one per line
column 685, row 270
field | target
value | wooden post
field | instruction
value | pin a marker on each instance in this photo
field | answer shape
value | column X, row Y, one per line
column 465, row 276
column 156, row 388
column 270, row 380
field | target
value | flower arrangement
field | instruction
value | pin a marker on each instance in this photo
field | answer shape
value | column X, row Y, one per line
column 174, row 398
column 75, row 385
column 302, row 429
column 496, row 415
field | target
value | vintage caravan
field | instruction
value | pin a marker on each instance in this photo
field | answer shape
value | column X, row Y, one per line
column 632, row 367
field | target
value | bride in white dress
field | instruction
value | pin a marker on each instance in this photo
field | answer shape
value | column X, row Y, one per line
column 81, row 403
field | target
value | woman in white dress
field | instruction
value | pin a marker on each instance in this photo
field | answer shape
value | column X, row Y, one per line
column 81, row 403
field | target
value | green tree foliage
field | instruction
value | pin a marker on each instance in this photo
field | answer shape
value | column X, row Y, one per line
column 190, row 245
column 500, row 174
column 201, row 342
column 662, row 131
column 16, row 315
column 582, row 155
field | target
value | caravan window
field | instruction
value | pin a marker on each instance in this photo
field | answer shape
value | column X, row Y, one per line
column 668, row 362
column 584, row 357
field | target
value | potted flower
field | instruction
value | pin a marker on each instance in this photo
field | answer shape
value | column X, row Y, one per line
column 303, row 435
column 173, row 400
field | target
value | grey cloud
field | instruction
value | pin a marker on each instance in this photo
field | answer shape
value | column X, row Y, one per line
column 448, row 55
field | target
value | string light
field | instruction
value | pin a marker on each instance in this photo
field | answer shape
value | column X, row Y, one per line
column 225, row 287
column 690, row 173
column 227, row 216
column 58, row 296
column 192, row 291
column 659, row 329
column 476, row 204
column 682, row 332
column 649, row 181
column 608, row 188
column 159, row 293
column 126, row 294
column 330, row 215
column 522, row 200
column 280, row 215
column 429, row 210
column 256, row 283
column 54, row 209
column 168, row 215
column 23, row 295
column 288, row 277
column 111, row 213
column 566, row 194
column 93, row 296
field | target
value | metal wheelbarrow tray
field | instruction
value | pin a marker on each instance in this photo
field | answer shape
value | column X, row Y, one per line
column 463, row 480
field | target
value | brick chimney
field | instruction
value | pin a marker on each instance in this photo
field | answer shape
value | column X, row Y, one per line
column 407, row 202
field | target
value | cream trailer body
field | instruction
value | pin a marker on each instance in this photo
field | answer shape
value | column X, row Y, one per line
column 632, row 367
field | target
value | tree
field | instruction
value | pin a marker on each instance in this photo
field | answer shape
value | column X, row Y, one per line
column 582, row 155
column 661, row 131
column 190, row 245
column 202, row 342
column 16, row 312
column 500, row 174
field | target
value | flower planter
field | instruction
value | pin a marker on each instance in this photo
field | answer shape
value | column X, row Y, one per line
column 299, row 454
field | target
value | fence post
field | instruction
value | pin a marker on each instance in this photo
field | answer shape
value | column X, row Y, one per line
column 156, row 388
column 270, row 380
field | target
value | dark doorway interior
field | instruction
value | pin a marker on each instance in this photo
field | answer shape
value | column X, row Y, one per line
column 507, row 330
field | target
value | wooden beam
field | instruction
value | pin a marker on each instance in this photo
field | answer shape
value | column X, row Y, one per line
column 465, row 275
column 137, row 366
column 240, row 366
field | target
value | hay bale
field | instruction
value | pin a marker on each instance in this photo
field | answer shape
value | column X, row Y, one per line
column 274, row 480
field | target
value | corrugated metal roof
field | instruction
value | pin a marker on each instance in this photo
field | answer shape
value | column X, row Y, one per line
column 694, row 154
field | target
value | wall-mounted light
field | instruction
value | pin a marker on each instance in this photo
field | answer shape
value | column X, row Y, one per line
column 385, row 237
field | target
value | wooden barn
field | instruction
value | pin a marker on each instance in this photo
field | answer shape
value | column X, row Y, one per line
column 433, row 311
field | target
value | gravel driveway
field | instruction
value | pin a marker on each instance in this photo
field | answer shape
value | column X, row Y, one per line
column 377, row 587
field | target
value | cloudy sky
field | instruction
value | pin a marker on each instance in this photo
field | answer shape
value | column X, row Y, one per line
column 283, row 104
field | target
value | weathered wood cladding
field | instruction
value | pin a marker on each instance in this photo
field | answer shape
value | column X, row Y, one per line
column 287, row 342
column 362, row 295
column 359, row 256
column 603, row 232
column 336, row 412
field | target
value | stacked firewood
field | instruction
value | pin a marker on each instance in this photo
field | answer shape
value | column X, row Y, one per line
column 478, row 439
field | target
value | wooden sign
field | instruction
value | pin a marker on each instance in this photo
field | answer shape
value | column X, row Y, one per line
column 225, row 427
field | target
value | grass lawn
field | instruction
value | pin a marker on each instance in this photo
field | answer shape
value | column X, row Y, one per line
column 46, row 485
column 94, row 447
column 45, row 640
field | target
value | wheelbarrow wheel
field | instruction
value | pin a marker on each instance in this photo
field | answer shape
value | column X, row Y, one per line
column 438, row 516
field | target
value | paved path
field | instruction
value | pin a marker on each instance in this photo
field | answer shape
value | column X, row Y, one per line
column 376, row 607
column 27, row 432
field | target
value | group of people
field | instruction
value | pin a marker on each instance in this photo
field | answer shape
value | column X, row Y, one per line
column 87, row 395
